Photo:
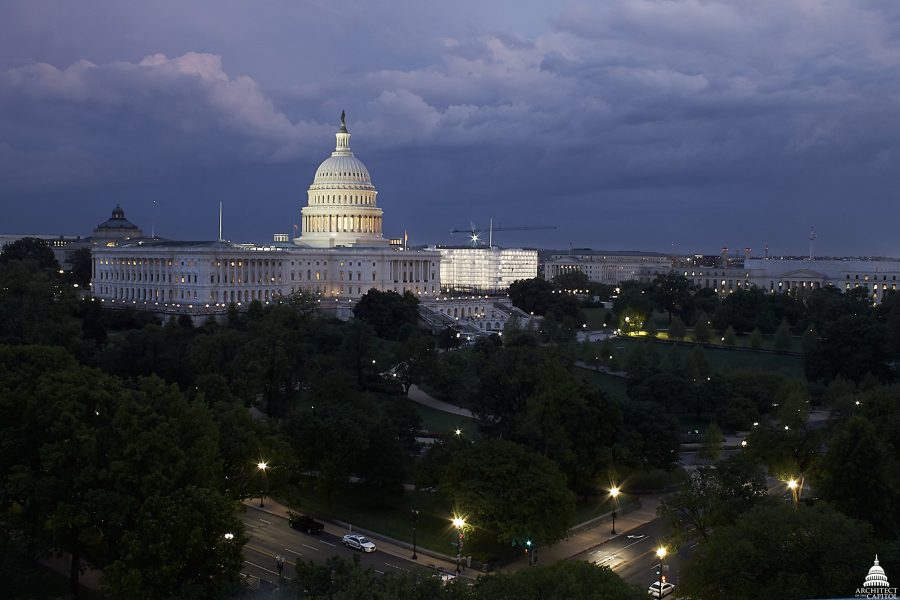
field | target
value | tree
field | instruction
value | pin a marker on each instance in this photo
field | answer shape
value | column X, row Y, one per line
column 631, row 321
column 33, row 249
column 571, row 280
column 415, row 357
column 859, row 476
column 387, row 312
column 509, row 492
column 774, row 551
column 655, row 441
column 853, row 347
column 82, row 267
column 677, row 329
column 565, row 580
column 711, row 446
column 651, row 329
column 671, row 293
column 347, row 579
column 714, row 496
column 783, row 340
column 113, row 475
column 810, row 340
column 728, row 337
column 701, row 329
column 756, row 339
column 36, row 307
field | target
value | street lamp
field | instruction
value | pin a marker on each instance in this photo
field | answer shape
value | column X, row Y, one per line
column 458, row 432
column 614, row 493
column 660, row 554
column 459, row 523
column 415, row 519
column 262, row 466
column 796, row 487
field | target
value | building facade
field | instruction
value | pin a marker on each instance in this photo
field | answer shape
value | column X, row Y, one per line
column 611, row 268
column 339, row 256
column 465, row 269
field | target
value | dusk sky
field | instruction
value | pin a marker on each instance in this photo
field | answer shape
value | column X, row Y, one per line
column 627, row 124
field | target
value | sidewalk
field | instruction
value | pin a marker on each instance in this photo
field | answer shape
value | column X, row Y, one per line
column 591, row 538
column 385, row 544
column 416, row 394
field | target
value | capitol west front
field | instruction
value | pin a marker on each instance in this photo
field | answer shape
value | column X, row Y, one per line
column 340, row 255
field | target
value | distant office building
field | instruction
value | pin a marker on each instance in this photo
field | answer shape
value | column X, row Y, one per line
column 465, row 269
column 609, row 267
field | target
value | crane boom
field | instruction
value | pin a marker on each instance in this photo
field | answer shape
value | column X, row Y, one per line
column 526, row 228
column 474, row 232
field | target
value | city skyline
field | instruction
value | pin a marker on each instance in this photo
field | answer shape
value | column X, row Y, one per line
column 673, row 127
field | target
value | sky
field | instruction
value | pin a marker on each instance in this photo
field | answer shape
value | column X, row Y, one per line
column 658, row 125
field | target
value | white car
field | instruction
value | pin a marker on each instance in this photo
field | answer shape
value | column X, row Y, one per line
column 358, row 542
column 667, row 588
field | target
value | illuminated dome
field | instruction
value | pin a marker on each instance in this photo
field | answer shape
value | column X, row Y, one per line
column 876, row 576
column 341, row 209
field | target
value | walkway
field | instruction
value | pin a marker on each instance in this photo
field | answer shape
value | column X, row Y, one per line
column 591, row 538
column 416, row 394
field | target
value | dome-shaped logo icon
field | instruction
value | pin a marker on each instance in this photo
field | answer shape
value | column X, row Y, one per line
column 876, row 584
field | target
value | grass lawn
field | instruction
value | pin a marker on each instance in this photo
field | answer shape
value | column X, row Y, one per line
column 438, row 421
column 614, row 386
column 393, row 521
column 722, row 358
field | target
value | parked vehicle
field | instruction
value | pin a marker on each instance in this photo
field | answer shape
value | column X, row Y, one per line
column 358, row 542
column 667, row 588
column 305, row 523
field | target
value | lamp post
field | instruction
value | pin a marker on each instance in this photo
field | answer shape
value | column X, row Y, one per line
column 661, row 554
column 796, row 487
column 415, row 520
column 262, row 466
column 459, row 523
column 614, row 493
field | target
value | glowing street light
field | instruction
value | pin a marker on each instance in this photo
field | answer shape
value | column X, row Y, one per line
column 796, row 487
column 660, row 554
column 460, row 524
column 614, row 494
column 261, row 466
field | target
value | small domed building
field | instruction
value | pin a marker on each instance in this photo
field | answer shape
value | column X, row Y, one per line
column 117, row 227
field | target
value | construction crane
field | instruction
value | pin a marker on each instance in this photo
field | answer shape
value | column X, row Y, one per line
column 475, row 234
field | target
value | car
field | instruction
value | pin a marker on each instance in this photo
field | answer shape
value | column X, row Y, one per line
column 667, row 588
column 358, row 542
column 305, row 523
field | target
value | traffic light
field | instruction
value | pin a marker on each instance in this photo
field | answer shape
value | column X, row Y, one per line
column 663, row 578
column 657, row 571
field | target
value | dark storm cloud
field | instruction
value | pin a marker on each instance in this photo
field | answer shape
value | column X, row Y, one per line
column 638, row 123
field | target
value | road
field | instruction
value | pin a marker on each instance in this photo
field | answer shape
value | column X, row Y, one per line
column 270, row 536
column 633, row 554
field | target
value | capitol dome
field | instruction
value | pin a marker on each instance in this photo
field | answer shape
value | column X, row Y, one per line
column 341, row 209
column 876, row 576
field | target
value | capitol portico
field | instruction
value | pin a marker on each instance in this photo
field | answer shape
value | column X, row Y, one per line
column 340, row 255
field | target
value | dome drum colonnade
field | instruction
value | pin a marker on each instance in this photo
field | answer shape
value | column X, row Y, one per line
column 341, row 208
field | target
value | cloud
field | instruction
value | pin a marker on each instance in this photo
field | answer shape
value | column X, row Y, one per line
column 783, row 100
column 158, row 112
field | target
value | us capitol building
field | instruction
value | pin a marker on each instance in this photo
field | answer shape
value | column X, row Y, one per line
column 339, row 256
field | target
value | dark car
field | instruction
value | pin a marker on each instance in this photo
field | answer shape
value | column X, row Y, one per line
column 305, row 523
